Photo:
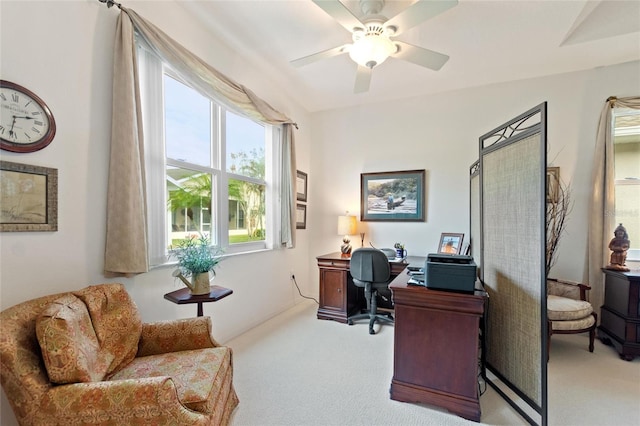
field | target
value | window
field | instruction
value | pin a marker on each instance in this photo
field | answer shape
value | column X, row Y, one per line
column 626, row 145
column 209, row 169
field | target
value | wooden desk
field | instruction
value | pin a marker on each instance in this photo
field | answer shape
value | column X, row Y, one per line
column 437, row 347
column 620, row 314
column 184, row 296
column 339, row 297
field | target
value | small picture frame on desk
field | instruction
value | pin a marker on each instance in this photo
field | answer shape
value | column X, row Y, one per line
column 450, row 243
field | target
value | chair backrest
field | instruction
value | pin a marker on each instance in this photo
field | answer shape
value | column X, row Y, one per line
column 22, row 371
column 23, row 374
column 370, row 265
column 115, row 319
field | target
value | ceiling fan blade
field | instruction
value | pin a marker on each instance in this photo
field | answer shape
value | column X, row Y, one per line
column 419, row 12
column 340, row 13
column 363, row 79
column 320, row 55
column 420, row 56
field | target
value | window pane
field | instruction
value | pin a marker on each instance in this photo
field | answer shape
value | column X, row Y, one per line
column 627, row 175
column 246, row 211
column 189, row 203
column 245, row 146
column 187, row 123
column 628, row 212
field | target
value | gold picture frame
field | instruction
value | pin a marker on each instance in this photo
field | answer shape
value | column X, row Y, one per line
column 301, row 216
column 553, row 184
column 301, row 186
column 28, row 198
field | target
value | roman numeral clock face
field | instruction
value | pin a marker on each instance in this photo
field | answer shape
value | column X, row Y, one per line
column 26, row 123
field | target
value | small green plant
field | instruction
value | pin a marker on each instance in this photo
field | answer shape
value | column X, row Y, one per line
column 398, row 246
column 196, row 255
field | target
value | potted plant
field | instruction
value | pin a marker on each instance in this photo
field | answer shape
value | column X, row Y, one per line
column 196, row 259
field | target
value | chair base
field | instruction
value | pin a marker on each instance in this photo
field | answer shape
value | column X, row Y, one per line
column 372, row 313
column 373, row 318
column 591, row 330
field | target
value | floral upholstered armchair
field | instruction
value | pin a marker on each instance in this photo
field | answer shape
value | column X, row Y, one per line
column 85, row 357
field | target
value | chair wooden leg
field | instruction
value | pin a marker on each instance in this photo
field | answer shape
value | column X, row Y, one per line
column 592, row 332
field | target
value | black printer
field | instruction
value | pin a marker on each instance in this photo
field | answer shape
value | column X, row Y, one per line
column 450, row 272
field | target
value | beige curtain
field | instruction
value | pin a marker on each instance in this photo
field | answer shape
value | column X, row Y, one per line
column 601, row 214
column 126, row 241
column 288, row 190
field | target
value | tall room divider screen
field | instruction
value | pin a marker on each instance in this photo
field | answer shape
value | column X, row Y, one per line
column 512, row 173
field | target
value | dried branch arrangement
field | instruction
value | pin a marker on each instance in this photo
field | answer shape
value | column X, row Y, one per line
column 557, row 213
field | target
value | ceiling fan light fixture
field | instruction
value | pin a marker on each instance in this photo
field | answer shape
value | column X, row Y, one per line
column 371, row 50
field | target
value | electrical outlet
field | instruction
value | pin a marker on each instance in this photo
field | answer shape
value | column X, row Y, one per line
column 292, row 275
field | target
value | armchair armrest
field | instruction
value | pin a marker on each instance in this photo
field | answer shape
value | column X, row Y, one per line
column 135, row 401
column 567, row 288
column 176, row 335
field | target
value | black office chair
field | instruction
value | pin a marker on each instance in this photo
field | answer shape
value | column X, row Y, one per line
column 370, row 269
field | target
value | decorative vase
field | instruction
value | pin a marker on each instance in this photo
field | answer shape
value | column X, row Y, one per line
column 200, row 283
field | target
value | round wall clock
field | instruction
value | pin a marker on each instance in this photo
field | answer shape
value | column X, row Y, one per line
column 26, row 122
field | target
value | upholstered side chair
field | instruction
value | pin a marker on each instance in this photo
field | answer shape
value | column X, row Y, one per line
column 568, row 310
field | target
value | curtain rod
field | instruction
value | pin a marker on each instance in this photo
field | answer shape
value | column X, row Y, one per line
column 111, row 3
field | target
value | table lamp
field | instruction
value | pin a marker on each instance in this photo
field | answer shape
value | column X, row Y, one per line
column 346, row 227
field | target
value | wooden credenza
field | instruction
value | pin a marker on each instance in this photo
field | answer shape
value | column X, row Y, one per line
column 437, row 347
column 339, row 297
column 620, row 314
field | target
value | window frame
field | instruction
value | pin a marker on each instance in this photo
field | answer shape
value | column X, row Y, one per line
column 152, row 71
column 633, row 254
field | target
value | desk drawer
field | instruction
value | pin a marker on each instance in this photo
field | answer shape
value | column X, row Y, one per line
column 335, row 263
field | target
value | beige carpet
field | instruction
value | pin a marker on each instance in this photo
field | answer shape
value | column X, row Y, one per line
column 298, row 370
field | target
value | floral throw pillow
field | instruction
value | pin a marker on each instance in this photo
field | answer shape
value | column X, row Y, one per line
column 116, row 321
column 69, row 344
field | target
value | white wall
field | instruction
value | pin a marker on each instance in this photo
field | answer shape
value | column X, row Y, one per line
column 66, row 57
column 63, row 50
column 441, row 135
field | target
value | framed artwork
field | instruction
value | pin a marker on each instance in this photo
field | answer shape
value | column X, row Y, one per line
column 301, row 186
column 392, row 196
column 28, row 198
column 553, row 183
column 301, row 216
column 450, row 243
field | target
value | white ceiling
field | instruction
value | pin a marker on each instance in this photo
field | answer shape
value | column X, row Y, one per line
column 487, row 41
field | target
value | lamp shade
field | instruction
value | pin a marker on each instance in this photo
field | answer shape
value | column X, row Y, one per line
column 346, row 225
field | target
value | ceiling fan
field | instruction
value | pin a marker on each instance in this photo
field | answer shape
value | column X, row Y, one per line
column 372, row 43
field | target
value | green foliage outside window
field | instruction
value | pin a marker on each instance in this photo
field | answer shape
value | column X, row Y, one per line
column 195, row 193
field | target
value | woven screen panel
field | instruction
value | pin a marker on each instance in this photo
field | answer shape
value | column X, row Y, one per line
column 512, row 261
